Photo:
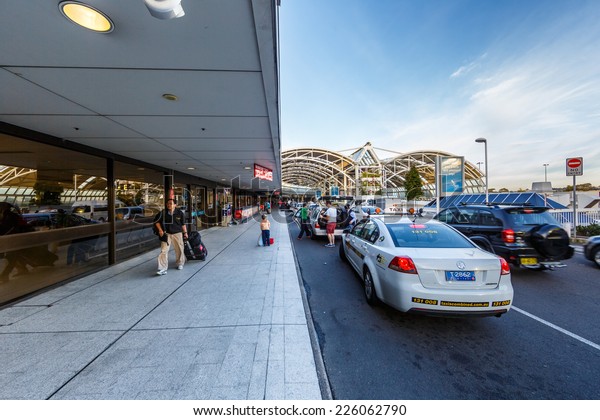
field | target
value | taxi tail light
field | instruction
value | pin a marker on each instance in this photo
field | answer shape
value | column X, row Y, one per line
column 317, row 225
column 508, row 236
column 403, row 265
column 504, row 267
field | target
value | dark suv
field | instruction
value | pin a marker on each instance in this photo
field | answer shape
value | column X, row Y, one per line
column 524, row 236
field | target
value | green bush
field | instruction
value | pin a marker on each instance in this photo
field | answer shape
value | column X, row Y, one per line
column 590, row 230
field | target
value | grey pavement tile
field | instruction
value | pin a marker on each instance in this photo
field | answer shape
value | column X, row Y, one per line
column 258, row 380
column 275, row 386
column 278, row 315
column 277, row 343
column 262, row 344
column 34, row 365
column 236, row 368
column 302, row 391
column 232, row 327
column 198, row 382
column 239, row 392
column 14, row 314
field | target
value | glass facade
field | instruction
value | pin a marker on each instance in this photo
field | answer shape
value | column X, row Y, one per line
column 69, row 211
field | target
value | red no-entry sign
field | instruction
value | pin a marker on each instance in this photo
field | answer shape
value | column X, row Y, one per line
column 575, row 166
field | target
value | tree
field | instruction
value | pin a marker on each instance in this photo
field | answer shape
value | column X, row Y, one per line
column 413, row 184
column 47, row 193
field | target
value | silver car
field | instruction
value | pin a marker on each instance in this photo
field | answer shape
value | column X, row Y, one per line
column 426, row 267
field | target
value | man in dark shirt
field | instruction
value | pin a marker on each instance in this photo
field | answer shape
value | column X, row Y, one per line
column 172, row 224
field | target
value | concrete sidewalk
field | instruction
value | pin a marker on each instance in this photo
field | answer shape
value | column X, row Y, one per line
column 232, row 327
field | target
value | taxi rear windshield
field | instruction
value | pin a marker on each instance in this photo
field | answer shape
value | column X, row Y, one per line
column 420, row 235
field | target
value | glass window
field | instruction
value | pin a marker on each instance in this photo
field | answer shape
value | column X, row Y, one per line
column 140, row 196
column 466, row 216
column 370, row 232
column 530, row 217
column 487, row 218
column 357, row 230
column 41, row 241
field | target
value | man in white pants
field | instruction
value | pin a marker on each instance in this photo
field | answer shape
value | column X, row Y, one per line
column 172, row 224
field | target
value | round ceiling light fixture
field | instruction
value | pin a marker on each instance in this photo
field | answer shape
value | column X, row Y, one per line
column 86, row 16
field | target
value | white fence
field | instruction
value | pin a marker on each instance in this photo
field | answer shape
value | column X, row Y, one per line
column 584, row 217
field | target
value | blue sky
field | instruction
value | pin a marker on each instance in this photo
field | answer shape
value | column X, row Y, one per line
column 412, row 75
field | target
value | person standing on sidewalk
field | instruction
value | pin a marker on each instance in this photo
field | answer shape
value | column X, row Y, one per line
column 171, row 228
column 265, row 229
column 331, row 216
column 304, row 221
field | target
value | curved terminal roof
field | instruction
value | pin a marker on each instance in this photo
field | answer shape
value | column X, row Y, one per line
column 306, row 170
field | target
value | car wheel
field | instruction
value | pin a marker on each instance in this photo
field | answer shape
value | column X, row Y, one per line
column 369, row 288
column 596, row 255
column 343, row 252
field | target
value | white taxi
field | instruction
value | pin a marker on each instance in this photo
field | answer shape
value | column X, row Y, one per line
column 426, row 267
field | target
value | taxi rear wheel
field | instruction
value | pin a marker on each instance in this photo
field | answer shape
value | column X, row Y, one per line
column 343, row 253
column 369, row 288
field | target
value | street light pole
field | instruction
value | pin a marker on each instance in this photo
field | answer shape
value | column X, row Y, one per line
column 487, row 190
column 545, row 180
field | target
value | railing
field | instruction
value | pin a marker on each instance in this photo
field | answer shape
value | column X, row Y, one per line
column 584, row 217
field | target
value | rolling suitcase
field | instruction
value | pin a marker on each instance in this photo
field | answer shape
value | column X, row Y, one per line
column 193, row 248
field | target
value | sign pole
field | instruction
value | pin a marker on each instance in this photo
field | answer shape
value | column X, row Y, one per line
column 574, row 207
column 437, row 184
column 575, row 168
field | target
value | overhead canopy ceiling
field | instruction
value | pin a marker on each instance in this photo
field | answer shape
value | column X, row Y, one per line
column 106, row 90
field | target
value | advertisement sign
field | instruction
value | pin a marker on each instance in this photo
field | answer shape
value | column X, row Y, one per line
column 452, row 174
column 261, row 172
column 574, row 166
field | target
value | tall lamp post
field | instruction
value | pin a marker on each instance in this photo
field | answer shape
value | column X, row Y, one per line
column 545, row 180
column 487, row 190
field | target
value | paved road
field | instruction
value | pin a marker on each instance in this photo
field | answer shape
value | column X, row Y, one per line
column 547, row 347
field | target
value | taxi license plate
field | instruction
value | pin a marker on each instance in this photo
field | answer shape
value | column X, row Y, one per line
column 460, row 276
column 528, row 261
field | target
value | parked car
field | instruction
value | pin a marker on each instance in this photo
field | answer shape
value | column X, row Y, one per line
column 318, row 224
column 426, row 267
column 93, row 209
column 54, row 220
column 129, row 213
column 591, row 249
column 367, row 211
column 525, row 236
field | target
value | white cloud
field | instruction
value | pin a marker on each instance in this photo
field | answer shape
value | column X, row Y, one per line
column 468, row 68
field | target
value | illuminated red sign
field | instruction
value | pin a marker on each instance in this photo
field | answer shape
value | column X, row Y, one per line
column 263, row 173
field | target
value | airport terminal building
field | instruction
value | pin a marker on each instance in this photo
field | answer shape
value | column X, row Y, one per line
column 153, row 104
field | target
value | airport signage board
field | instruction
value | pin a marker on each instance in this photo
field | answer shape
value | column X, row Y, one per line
column 452, row 171
column 261, row 172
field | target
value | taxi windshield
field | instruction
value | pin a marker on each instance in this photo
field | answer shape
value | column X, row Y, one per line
column 426, row 235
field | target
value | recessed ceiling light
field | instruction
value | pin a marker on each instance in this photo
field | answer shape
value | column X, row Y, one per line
column 247, row 168
column 191, row 168
column 86, row 16
column 169, row 97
